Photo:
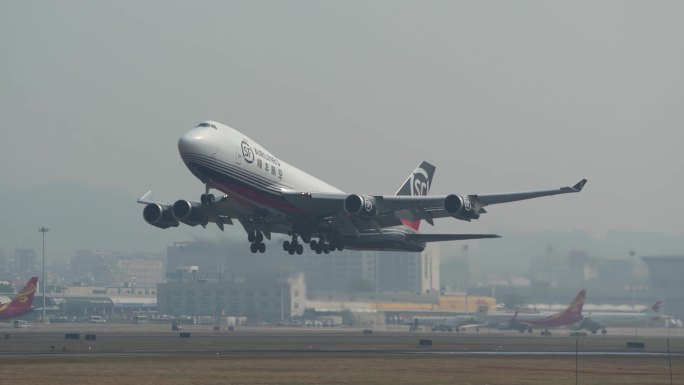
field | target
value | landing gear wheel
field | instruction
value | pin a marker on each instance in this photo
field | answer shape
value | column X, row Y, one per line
column 211, row 199
column 286, row 245
column 259, row 237
column 262, row 247
column 291, row 250
column 251, row 237
column 326, row 248
column 299, row 249
column 604, row 331
column 254, row 247
column 313, row 244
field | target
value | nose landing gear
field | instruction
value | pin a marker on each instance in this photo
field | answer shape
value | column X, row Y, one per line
column 207, row 199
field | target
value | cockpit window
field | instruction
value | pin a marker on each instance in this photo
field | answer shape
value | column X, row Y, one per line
column 207, row 125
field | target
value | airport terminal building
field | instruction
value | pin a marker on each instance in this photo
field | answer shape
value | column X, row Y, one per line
column 267, row 298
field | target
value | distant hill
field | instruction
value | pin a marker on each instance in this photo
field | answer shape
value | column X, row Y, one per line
column 83, row 217
column 515, row 250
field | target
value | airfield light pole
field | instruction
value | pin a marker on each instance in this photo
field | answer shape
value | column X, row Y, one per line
column 43, row 286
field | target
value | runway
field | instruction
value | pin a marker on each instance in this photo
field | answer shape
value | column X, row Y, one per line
column 124, row 353
column 125, row 340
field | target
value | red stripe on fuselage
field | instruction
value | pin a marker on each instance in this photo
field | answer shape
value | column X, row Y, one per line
column 255, row 196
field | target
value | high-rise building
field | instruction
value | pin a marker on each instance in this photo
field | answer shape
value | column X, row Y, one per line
column 25, row 262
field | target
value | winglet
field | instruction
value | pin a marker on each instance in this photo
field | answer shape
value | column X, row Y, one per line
column 580, row 185
column 145, row 199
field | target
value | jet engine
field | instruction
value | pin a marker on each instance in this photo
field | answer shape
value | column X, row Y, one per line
column 159, row 215
column 362, row 206
column 460, row 207
column 190, row 213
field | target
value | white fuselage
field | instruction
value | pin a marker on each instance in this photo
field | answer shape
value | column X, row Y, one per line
column 237, row 158
column 624, row 319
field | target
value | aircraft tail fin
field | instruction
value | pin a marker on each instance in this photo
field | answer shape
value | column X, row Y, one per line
column 24, row 299
column 417, row 184
column 576, row 305
column 657, row 307
column 481, row 315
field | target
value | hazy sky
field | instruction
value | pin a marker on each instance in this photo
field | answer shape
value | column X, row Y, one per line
column 500, row 96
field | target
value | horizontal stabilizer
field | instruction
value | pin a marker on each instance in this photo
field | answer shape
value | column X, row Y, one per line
column 448, row 237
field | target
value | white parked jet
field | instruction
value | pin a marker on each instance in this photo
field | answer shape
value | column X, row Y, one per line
column 601, row 320
column 459, row 322
column 267, row 196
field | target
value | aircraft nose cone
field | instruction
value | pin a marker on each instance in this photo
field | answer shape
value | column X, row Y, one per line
column 198, row 141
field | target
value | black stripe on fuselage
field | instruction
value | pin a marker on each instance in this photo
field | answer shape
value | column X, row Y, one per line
column 236, row 173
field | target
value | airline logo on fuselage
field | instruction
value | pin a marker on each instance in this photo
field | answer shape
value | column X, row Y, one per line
column 420, row 183
column 247, row 153
column 368, row 205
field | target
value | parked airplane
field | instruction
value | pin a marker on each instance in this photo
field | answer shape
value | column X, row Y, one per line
column 569, row 316
column 267, row 195
column 456, row 323
column 21, row 304
column 602, row 320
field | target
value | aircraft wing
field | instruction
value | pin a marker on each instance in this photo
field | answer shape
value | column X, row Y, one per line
column 479, row 201
column 490, row 199
column 353, row 212
column 448, row 237
column 379, row 211
column 220, row 212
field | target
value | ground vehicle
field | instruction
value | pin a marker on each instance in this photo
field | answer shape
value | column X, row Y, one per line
column 20, row 324
column 176, row 326
column 96, row 319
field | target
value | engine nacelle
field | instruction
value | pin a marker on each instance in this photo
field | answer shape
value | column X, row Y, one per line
column 363, row 206
column 159, row 215
column 460, row 207
column 190, row 213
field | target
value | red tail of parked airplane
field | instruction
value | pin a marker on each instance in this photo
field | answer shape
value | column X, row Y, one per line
column 569, row 316
column 21, row 304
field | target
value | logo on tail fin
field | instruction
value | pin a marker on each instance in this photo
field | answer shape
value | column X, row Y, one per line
column 657, row 306
column 418, row 184
column 21, row 304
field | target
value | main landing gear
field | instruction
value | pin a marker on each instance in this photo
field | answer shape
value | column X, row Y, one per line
column 324, row 247
column 293, row 246
column 257, row 242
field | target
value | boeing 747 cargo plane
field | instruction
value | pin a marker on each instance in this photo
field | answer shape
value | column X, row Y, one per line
column 268, row 196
